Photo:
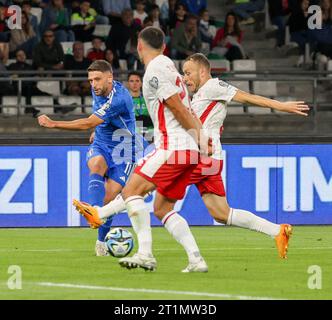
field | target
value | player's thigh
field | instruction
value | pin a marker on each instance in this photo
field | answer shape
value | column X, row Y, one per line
column 163, row 205
column 112, row 189
column 97, row 165
column 137, row 186
column 218, row 206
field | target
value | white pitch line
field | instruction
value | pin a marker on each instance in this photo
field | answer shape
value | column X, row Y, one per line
column 171, row 292
column 162, row 249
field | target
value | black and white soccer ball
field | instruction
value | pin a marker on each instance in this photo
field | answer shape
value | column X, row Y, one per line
column 119, row 242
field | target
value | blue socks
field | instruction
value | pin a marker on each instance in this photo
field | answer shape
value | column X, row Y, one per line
column 96, row 191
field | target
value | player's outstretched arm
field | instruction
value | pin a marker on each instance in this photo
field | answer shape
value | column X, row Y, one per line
column 79, row 124
column 297, row 107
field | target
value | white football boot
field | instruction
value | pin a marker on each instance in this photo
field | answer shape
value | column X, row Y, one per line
column 199, row 266
column 139, row 260
column 100, row 249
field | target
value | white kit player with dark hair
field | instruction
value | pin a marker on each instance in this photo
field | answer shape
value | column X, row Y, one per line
column 167, row 170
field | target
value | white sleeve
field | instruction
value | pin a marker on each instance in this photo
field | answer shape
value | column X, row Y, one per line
column 221, row 90
column 161, row 82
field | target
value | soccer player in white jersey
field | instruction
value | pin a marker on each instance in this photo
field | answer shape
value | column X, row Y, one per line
column 168, row 169
column 210, row 104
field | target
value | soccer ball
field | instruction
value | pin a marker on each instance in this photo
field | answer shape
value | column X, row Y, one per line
column 119, row 242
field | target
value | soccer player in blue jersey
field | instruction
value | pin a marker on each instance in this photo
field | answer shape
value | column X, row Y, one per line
column 111, row 156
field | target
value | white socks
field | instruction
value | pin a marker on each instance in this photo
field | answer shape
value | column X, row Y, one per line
column 114, row 207
column 179, row 229
column 140, row 219
column 248, row 220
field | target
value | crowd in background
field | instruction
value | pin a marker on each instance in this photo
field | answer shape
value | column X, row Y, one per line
column 188, row 26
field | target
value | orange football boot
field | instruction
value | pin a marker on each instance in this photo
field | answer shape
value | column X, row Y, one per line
column 282, row 240
column 89, row 212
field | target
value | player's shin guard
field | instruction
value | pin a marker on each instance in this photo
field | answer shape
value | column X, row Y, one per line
column 248, row 220
column 96, row 190
column 104, row 229
column 179, row 229
column 141, row 221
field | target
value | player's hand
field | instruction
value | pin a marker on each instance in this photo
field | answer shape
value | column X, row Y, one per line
column 92, row 137
column 45, row 121
column 205, row 145
column 298, row 107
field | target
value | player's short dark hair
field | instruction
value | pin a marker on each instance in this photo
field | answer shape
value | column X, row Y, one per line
column 134, row 73
column 100, row 65
column 201, row 59
column 152, row 36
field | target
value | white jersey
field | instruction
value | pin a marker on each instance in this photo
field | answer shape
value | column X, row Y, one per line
column 160, row 82
column 210, row 105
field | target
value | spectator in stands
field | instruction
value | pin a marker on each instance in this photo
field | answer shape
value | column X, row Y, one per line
column 139, row 12
column 5, row 87
column 178, row 19
column 26, row 7
column 321, row 39
column 194, row 6
column 154, row 14
column 122, row 38
column 298, row 26
column 96, row 53
column 186, row 39
column 4, row 30
column 109, row 57
column 227, row 42
column 55, row 17
column 244, row 10
column 135, row 89
column 114, row 8
column 77, row 62
column 167, row 11
column 83, row 23
column 48, row 54
column 24, row 38
column 147, row 23
column 279, row 11
column 326, row 6
column 29, row 88
column 207, row 31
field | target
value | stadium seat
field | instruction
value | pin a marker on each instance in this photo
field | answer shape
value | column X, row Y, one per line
column 11, row 101
column 244, row 65
column 177, row 64
column 329, row 67
column 71, row 100
column 38, row 13
column 220, row 65
column 88, row 102
column 242, row 85
column 44, row 103
column 87, row 47
column 67, row 47
column 265, row 88
column 123, row 64
column 10, row 61
column 233, row 110
column 258, row 110
column 50, row 87
column 102, row 30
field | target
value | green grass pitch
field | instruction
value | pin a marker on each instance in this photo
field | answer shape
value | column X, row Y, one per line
column 60, row 264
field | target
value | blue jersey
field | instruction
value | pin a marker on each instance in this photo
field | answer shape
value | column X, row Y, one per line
column 117, row 111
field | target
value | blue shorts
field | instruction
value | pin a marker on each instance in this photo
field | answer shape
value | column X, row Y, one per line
column 121, row 172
